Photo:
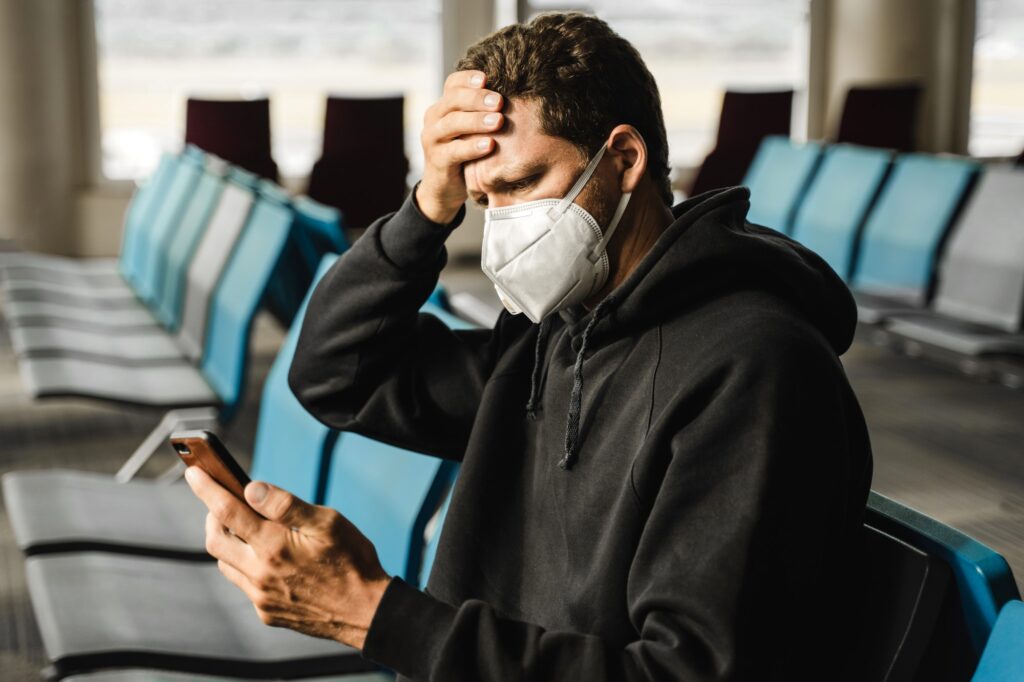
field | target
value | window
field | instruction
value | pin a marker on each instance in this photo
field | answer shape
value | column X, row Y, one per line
column 700, row 48
column 154, row 54
column 997, row 96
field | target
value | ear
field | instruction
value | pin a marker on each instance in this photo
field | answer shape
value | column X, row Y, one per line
column 628, row 151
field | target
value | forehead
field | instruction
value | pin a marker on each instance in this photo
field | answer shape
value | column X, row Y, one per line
column 521, row 145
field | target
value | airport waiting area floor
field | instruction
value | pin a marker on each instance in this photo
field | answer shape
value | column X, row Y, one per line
column 943, row 443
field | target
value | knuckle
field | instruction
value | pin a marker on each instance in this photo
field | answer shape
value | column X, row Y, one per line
column 222, row 511
column 211, row 545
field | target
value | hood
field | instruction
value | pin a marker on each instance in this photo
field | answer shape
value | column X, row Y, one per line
column 708, row 250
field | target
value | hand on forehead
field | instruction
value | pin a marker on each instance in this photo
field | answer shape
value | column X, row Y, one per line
column 522, row 150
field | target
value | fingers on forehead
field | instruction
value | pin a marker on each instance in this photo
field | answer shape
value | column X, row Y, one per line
column 466, row 79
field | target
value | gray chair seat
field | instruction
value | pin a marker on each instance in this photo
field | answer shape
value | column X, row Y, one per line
column 18, row 280
column 177, row 385
column 58, row 264
column 137, row 675
column 122, row 348
column 31, row 312
column 98, row 610
column 72, row 295
column 63, row 510
column 957, row 336
column 875, row 308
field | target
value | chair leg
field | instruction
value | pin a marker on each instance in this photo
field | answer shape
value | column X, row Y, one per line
column 174, row 420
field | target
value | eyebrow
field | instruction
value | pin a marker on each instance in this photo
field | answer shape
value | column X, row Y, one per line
column 513, row 175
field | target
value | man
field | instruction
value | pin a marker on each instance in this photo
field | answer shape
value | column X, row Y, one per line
column 664, row 479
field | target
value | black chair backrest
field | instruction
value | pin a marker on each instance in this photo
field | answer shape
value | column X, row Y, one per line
column 235, row 130
column 746, row 119
column 904, row 592
column 881, row 116
column 361, row 133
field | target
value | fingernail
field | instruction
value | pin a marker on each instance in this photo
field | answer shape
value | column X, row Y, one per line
column 491, row 100
column 258, row 492
column 189, row 475
column 482, row 143
column 491, row 119
column 477, row 80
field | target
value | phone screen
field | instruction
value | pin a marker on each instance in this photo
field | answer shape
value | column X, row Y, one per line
column 204, row 449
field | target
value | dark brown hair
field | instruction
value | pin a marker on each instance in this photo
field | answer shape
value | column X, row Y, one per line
column 586, row 77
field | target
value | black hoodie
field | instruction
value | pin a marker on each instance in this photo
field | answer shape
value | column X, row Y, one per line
column 669, row 487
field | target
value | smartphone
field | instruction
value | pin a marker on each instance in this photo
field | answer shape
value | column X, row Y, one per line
column 203, row 449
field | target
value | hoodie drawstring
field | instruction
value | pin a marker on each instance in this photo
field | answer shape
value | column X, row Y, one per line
column 572, row 427
column 531, row 406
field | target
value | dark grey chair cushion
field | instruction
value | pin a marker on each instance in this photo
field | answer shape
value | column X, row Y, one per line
column 98, row 610
column 62, row 510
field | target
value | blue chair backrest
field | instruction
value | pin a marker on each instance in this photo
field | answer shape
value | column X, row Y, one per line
column 290, row 442
column 317, row 232
column 389, row 493
column 837, row 202
column 167, row 306
column 1003, row 660
column 180, row 196
column 777, row 178
column 140, row 214
column 982, row 584
column 900, row 244
column 322, row 224
column 238, row 296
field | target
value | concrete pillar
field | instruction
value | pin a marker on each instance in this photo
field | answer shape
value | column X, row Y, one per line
column 41, row 160
column 871, row 41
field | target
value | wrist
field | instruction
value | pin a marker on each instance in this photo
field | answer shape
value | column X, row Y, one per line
column 364, row 606
column 433, row 206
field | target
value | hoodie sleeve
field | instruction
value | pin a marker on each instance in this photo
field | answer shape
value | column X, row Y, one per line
column 746, row 475
column 368, row 361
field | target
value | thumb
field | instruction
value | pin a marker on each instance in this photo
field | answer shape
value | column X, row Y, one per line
column 279, row 505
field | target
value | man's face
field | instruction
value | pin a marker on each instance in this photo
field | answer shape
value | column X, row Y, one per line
column 528, row 164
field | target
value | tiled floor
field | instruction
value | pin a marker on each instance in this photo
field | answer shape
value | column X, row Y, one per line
column 944, row 444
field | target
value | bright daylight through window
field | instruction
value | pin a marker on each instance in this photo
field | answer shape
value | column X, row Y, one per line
column 997, row 97
column 154, row 54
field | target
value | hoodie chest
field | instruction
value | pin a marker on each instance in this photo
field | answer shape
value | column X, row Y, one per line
column 526, row 521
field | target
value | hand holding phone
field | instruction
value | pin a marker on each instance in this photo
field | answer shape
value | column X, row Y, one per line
column 203, row 449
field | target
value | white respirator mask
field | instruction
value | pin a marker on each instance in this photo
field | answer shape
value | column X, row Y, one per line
column 547, row 255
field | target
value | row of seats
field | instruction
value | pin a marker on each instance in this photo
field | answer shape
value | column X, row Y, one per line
column 932, row 246
column 168, row 324
column 119, row 576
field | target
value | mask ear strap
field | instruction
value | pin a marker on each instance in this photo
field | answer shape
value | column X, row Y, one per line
column 567, row 200
column 607, row 236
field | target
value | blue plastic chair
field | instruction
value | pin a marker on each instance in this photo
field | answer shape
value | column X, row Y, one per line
column 317, row 232
column 238, row 295
column 170, row 292
column 778, row 177
column 322, row 224
column 140, row 216
column 982, row 584
column 837, row 202
column 389, row 493
column 180, row 196
column 291, row 445
column 900, row 244
column 1003, row 660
